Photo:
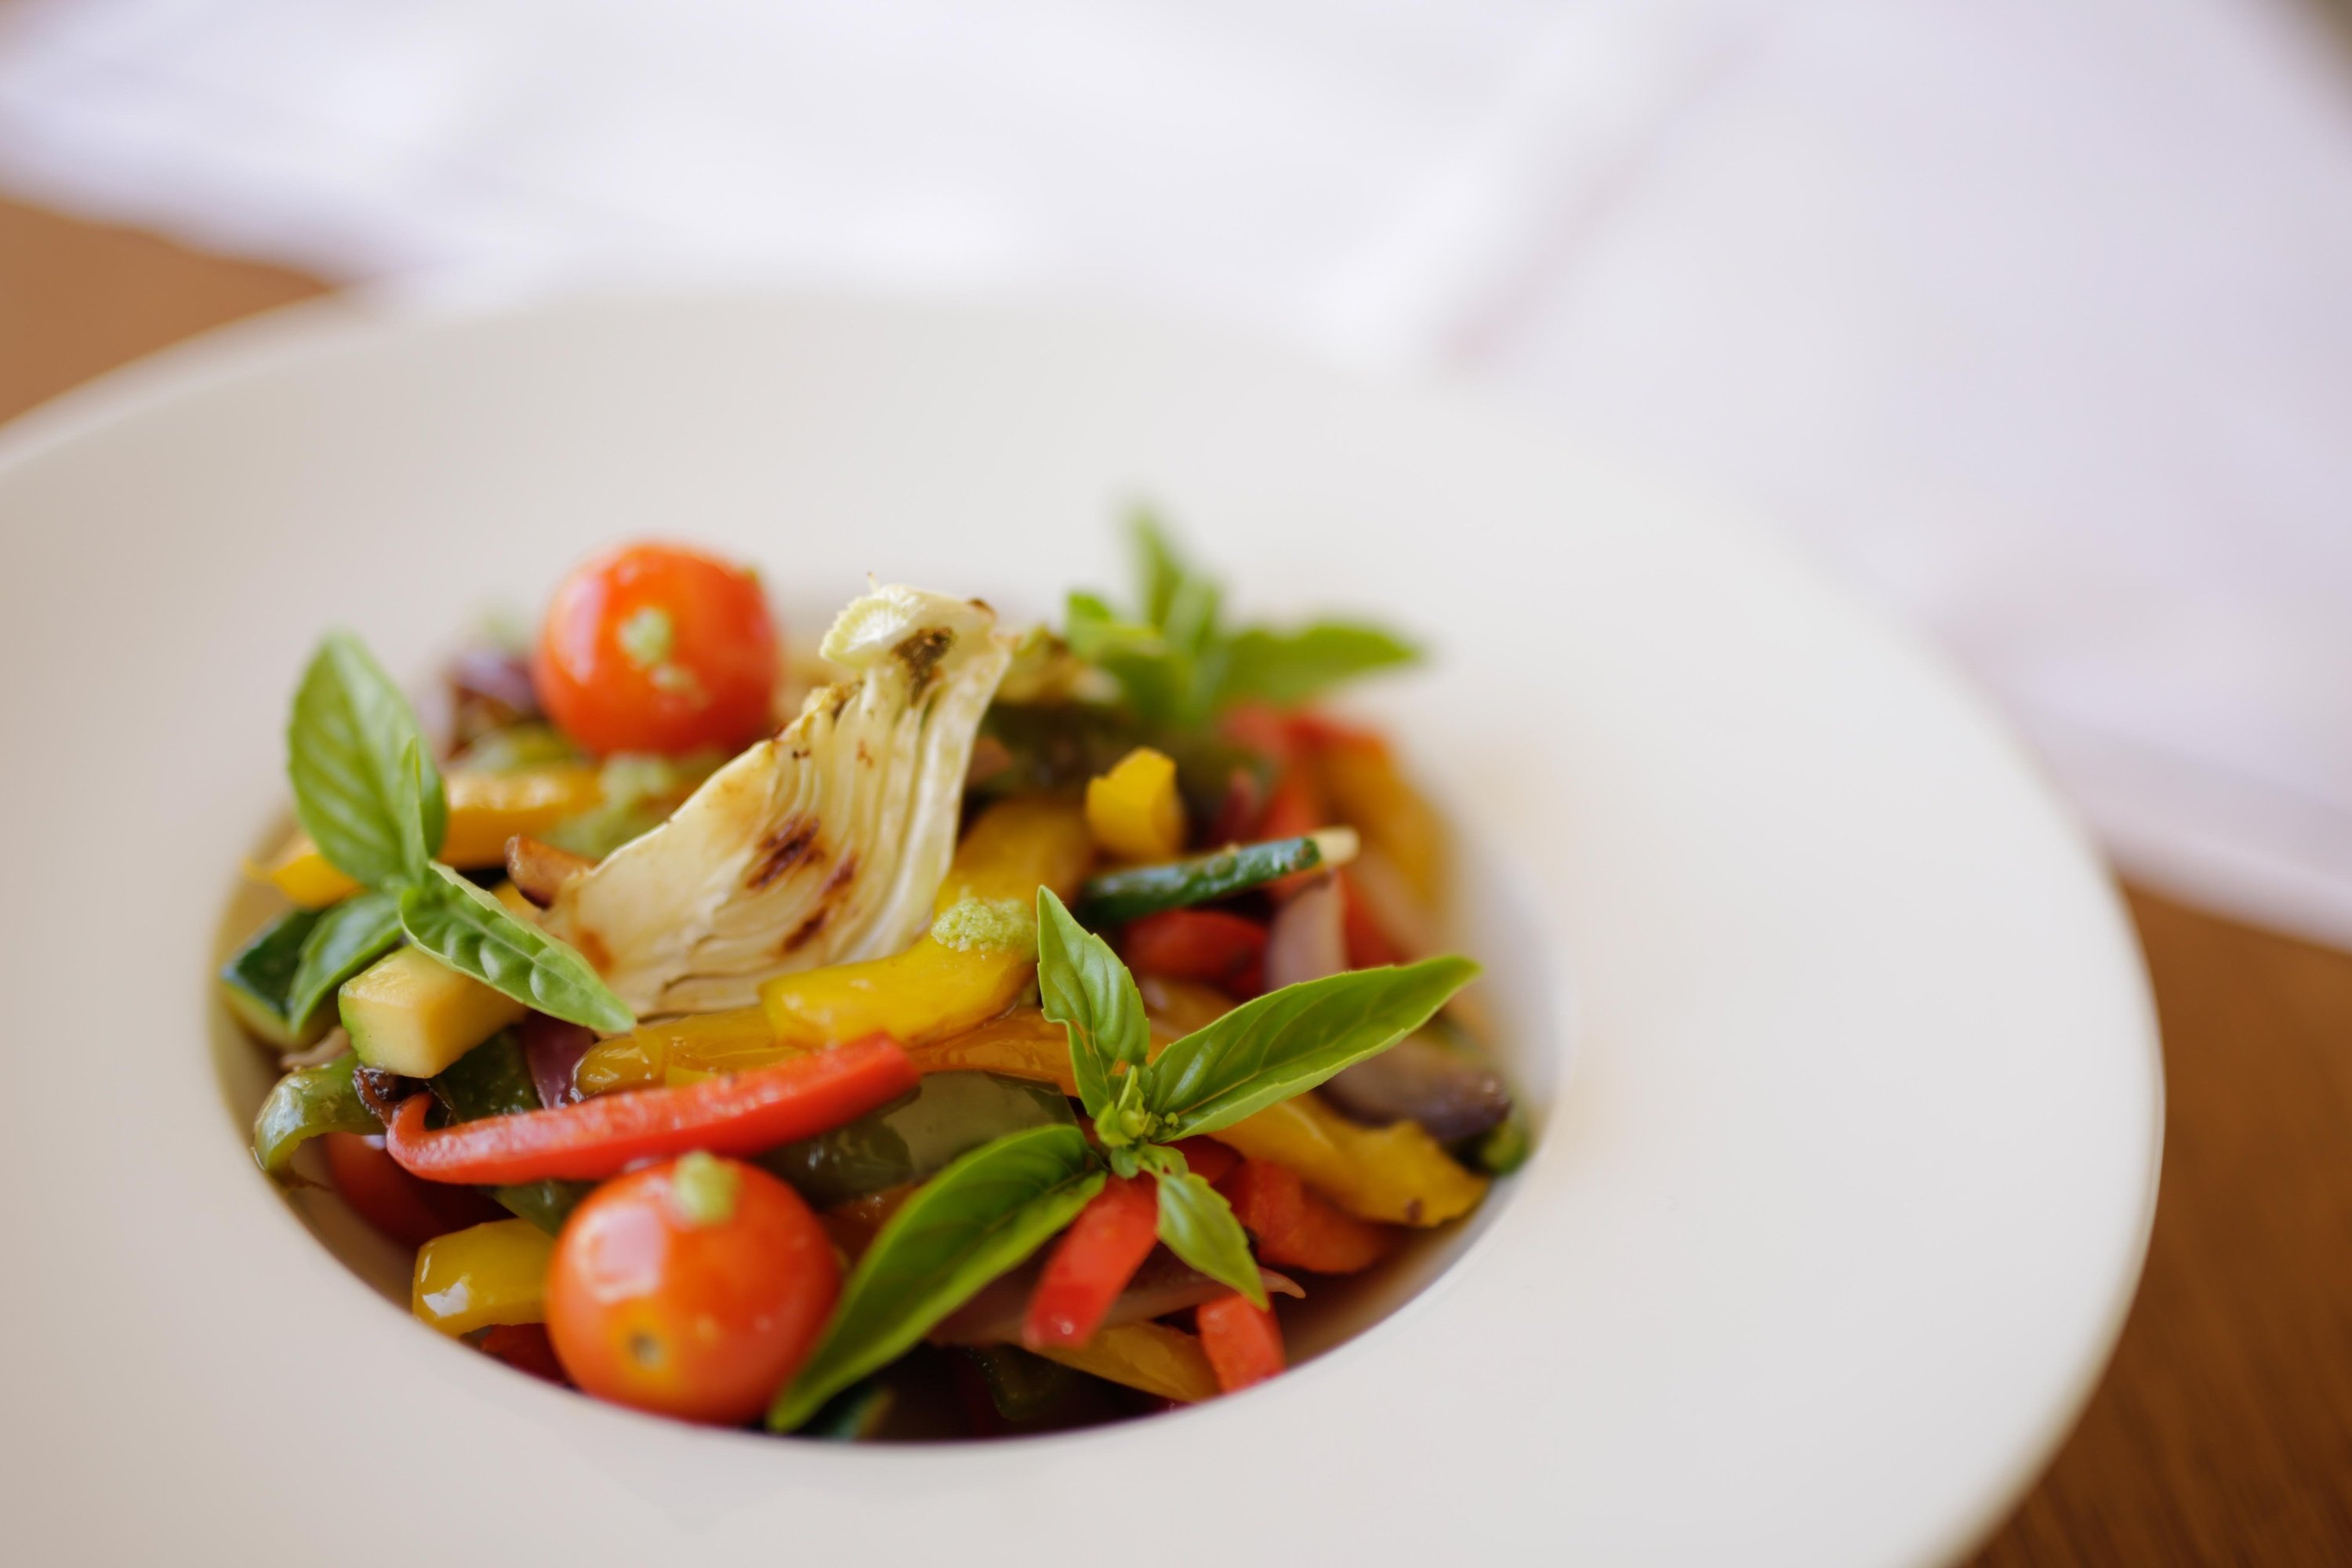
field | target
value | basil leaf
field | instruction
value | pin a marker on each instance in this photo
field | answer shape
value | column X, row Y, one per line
column 1199, row 1225
column 1287, row 667
column 344, row 940
column 1288, row 1041
column 1160, row 573
column 345, row 742
column 472, row 933
column 1083, row 986
column 303, row 1105
column 408, row 810
column 1153, row 679
column 980, row 1217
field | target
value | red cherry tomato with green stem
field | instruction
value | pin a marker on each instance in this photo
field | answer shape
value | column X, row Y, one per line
column 656, row 647
column 695, row 1288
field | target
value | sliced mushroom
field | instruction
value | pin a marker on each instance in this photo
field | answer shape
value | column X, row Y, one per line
column 540, row 870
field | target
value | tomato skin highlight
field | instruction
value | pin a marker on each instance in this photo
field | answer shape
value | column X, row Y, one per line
column 656, row 647
column 699, row 1319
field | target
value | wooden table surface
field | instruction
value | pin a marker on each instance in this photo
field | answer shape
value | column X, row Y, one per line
column 2223, row 1433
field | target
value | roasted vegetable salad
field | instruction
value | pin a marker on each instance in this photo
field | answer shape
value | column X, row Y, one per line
column 964, row 1030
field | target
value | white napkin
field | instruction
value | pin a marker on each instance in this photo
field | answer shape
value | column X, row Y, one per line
column 2029, row 315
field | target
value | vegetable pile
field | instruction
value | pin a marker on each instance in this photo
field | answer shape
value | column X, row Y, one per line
column 957, row 1034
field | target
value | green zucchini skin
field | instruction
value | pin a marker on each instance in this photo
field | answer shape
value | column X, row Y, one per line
column 1114, row 898
column 256, row 979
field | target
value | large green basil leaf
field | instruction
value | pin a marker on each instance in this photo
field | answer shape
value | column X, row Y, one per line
column 980, row 1217
column 305, row 1104
column 1083, row 986
column 345, row 745
column 472, row 933
column 1287, row 1041
column 344, row 941
column 1288, row 667
column 1199, row 1225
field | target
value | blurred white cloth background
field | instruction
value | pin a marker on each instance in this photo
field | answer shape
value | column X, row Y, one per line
column 2032, row 316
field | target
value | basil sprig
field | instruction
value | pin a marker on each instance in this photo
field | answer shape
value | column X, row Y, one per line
column 359, row 794
column 986, row 1212
column 368, row 794
column 1176, row 662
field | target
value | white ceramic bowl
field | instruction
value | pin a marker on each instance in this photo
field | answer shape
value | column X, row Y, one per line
column 1841, row 1195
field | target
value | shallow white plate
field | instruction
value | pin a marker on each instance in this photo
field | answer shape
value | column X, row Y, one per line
column 1842, row 1192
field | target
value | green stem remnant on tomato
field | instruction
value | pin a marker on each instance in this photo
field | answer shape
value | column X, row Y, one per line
column 702, row 1189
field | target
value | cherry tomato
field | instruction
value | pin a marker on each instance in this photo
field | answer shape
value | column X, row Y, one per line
column 410, row 1211
column 695, row 1288
column 656, row 647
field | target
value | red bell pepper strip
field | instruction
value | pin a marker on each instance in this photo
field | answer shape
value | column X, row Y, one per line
column 397, row 1204
column 1207, row 1159
column 1298, row 1229
column 1270, row 733
column 1368, row 946
column 1092, row 1263
column 526, row 1348
column 1215, row 947
column 741, row 1114
column 1243, row 1342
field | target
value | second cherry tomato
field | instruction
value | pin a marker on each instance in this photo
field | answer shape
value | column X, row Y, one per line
column 693, row 1288
column 656, row 647
column 410, row 1211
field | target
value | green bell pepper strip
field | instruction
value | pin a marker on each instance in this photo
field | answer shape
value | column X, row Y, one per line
column 304, row 1104
column 494, row 1079
column 1114, row 898
column 912, row 1139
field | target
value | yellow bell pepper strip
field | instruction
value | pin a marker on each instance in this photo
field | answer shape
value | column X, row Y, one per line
column 1369, row 792
column 1152, row 1357
column 977, row 957
column 680, row 1050
column 481, row 1276
column 1134, row 811
column 1398, row 1174
column 486, row 809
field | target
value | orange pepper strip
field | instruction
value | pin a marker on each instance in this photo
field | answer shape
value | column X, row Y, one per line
column 1243, row 1342
column 741, row 1114
column 1298, row 1229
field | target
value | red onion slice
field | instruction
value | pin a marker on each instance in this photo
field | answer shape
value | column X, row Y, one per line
column 553, row 1048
